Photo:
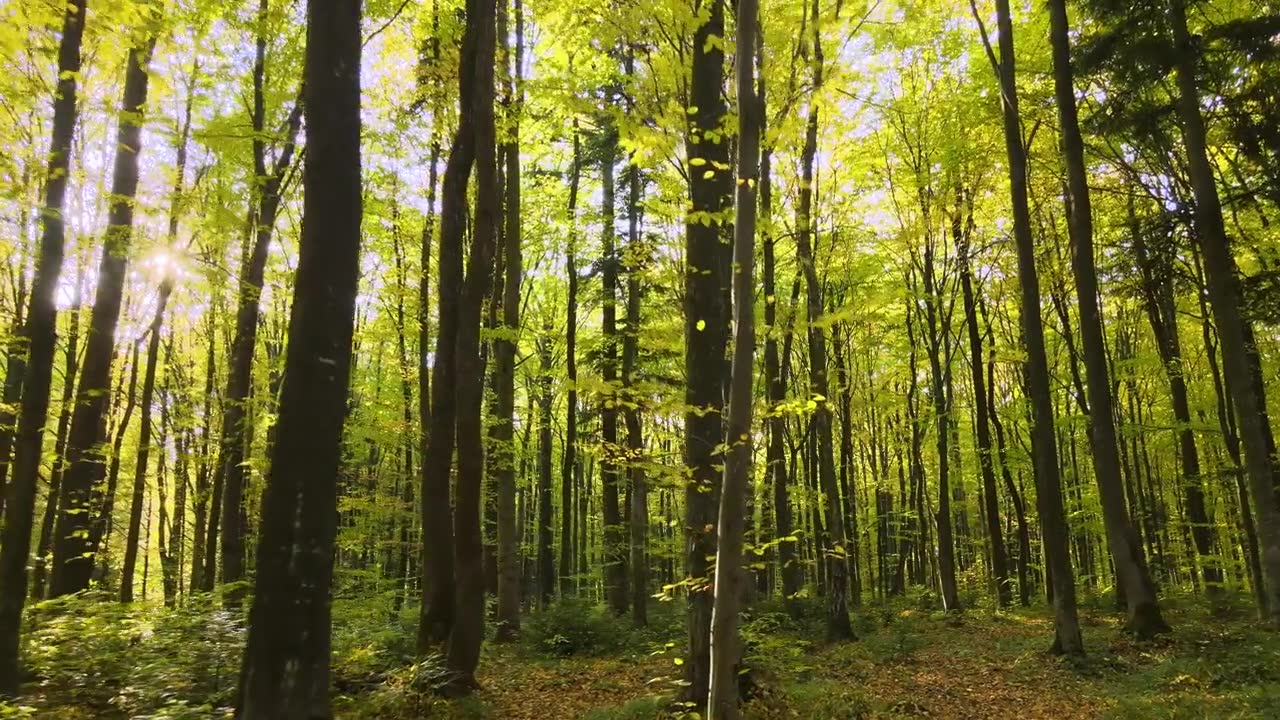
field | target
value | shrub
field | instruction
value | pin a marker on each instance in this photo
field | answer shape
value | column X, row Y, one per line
column 574, row 627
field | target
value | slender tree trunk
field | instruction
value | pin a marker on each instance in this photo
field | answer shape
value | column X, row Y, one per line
column 1067, row 638
column 726, row 651
column 237, row 428
column 546, row 568
column 438, row 613
column 982, row 413
column 505, row 356
column 1224, row 298
column 569, row 460
column 833, row 546
column 285, row 670
column 705, row 335
column 639, row 506
column 204, row 470
column 1161, row 314
column 1145, row 619
column 70, row 366
column 937, row 326
column 615, row 570
column 477, row 93
column 41, row 336
column 72, row 554
column 144, row 445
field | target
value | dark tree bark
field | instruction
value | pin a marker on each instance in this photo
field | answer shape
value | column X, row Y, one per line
column 639, row 506
column 438, row 614
column 203, row 500
column 982, row 411
column 937, row 321
column 1224, row 298
column 477, row 93
column 1157, row 295
column 1145, row 619
column 569, row 459
column 546, row 568
column 72, row 562
column 144, row 445
column 436, row 517
column 726, row 651
column 505, row 371
column 705, row 334
column 237, row 427
column 406, row 480
column 775, row 386
column 70, row 365
column 41, row 335
column 833, row 546
column 615, row 542
column 285, row 670
column 1067, row 637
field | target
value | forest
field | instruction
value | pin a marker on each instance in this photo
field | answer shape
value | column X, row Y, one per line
column 719, row 359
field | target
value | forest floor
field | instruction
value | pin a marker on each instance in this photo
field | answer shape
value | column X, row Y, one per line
column 576, row 663
column 916, row 664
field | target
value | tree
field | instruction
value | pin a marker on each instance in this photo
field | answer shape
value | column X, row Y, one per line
column 40, row 333
column 705, row 333
column 463, row 649
column 1224, row 297
column 722, row 697
column 285, row 668
column 1145, row 619
column 1067, row 638
column 72, row 561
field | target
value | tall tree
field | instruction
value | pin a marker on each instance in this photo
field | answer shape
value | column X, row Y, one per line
column 615, row 544
column 505, row 349
column 72, row 562
column 1225, row 300
column 569, row 460
column 1145, row 618
column 285, row 670
column 834, row 546
column 41, row 336
column 477, row 91
column 1067, row 637
column 705, row 331
column 237, row 429
column 726, row 651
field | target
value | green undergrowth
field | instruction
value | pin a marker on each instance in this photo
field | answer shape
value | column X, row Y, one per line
column 90, row 658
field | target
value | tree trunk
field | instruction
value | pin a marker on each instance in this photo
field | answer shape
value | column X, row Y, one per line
column 705, row 335
column 72, row 555
column 41, row 336
column 1145, row 619
column 615, row 570
column 569, row 455
column 477, row 108
column 237, row 428
column 832, row 547
column 438, row 612
column 70, row 366
column 203, row 504
column 285, row 670
column 726, row 651
column 546, row 569
column 982, row 413
column 1067, row 638
column 505, row 357
column 639, row 506
column 1224, row 298
column 144, row 445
